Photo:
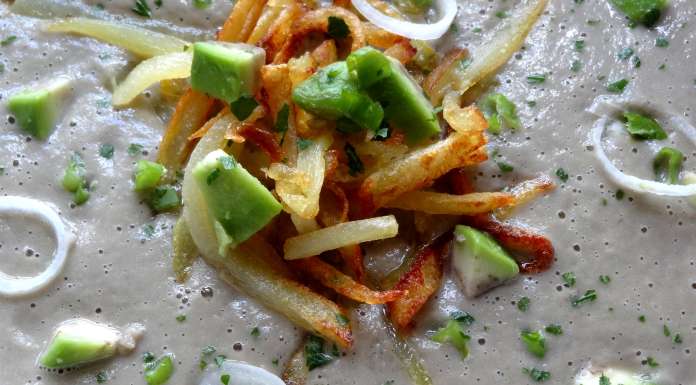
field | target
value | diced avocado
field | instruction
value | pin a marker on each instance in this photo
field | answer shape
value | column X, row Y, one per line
column 148, row 174
column 226, row 71
column 480, row 262
column 388, row 82
column 79, row 342
column 159, row 372
column 613, row 376
column 37, row 110
column 237, row 201
column 332, row 93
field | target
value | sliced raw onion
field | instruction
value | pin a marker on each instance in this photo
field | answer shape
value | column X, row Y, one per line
column 417, row 31
column 140, row 41
column 148, row 72
column 631, row 182
column 14, row 286
column 240, row 373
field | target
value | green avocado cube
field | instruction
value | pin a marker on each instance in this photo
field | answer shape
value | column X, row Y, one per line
column 331, row 93
column 37, row 110
column 238, row 203
column 480, row 262
column 226, row 71
column 389, row 83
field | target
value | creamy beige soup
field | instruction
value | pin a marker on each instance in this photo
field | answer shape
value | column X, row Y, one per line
column 120, row 272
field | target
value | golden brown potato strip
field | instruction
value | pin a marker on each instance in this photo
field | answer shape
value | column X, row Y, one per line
column 439, row 203
column 296, row 371
column 434, row 81
column 318, row 21
column 353, row 261
column 421, row 281
column 268, row 17
column 524, row 193
column 191, row 113
column 379, row 38
column 184, row 251
column 402, row 51
column 420, row 168
column 460, row 118
column 276, row 87
column 201, row 131
column 280, row 30
column 241, row 20
column 325, row 54
column 333, row 205
column 330, row 277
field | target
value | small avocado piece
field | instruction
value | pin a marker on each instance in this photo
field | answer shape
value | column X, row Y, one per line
column 389, row 83
column 226, row 71
column 78, row 342
column 37, row 110
column 148, row 174
column 612, row 376
column 332, row 93
column 480, row 262
column 159, row 372
column 238, row 203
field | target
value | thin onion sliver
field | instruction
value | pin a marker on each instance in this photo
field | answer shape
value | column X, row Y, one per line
column 417, row 31
column 13, row 286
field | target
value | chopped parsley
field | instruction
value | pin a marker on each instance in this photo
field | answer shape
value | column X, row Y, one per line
column 337, row 29
column 651, row 362
column 243, row 107
column 463, row 317
column 636, row 62
column 303, row 144
column 562, row 175
column 255, row 332
column 181, row 318
column 225, row 379
column 158, row 3
column 8, row 40
column 641, row 318
column 605, row 279
column 149, row 232
column 342, row 319
column 554, row 329
column 208, row 350
column 135, row 149
column 202, row 4
column 589, row 296
column 148, row 357
column 669, row 160
column 619, row 195
column 618, row 86
column 498, row 109
column 281, row 124
column 643, row 127
column 579, row 45
column 666, row 331
column 604, row 380
column 106, row 151
column 141, row 8
column 220, row 359
column 523, row 304
column 501, row 14
column 576, row 66
column 537, row 375
column 662, row 67
column 677, row 338
column 202, row 365
column 569, row 279
column 355, row 165
column 314, row 353
column 102, row 377
column 661, row 42
column 535, row 343
column 536, row 78
column 625, row 53
column 453, row 333
column 164, row 198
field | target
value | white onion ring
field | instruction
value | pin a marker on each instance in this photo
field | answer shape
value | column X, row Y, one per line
column 241, row 373
column 631, row 182
column 417, row 31
column 13, row 286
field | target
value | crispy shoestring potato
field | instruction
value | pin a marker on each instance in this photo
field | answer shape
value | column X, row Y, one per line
column 421, row 281
column 332, row 278
column 524, row 193
column 184, row 251
column 439, row 203
column 296, row 371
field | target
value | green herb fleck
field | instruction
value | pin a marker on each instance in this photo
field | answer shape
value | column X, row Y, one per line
column 651, row 362
column 164, row 198
column 666, row 331
column 536, row 78
column 535, row 343
column 625, row 53
column 554, row 329
column 501, row 14
column 355, row 165
column 106, row 151
column 208, row 350
column 569, row 279
column 314, row 353
column 641, row 318
column 202, row 4
column 141, row 8
column 275, row 362
column 604, row 380
column 678, row 338
column 497, row 106
column 643, row 127
column 619, row 195
column 281, row 124
column 618, row 86
column 576, row 66
column 523, row 304
column 181, row 318
column 453, row 333
column 605, row 279
column 225, row 379
column 531, row 103
column 579, row 45
column 636, row 62
column 537, row 374
column 135, row 149
column 462, row 317
column 505, row 167
column 202, row 365
column 342, row 319
column 148, row 357
column 158, row 3
column 337, row 29
column 303, row 144
column 562, row 175
column 255, row 332
column 589, row 296
column 102, row 377
column 220, row 359
column 243, row 107
column 8, row 40
column 669, row 160
column 661, row 42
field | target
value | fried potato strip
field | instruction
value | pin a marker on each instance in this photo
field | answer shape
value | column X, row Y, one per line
column 439, row 203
